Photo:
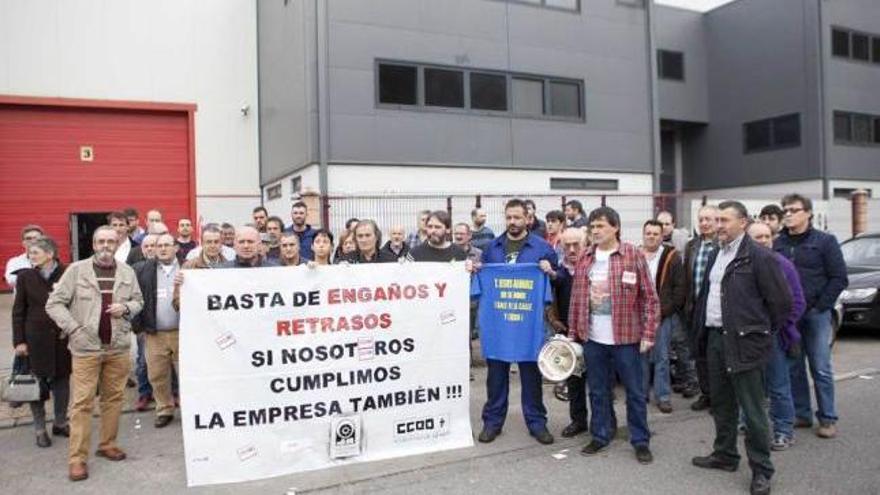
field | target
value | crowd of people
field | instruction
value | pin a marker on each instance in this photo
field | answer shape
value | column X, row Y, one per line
column 735, row 315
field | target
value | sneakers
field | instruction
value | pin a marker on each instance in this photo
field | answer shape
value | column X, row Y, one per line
column 781, row 442
column 826, row 430
column 701, row 404
column 643, row 454
column 593, row 448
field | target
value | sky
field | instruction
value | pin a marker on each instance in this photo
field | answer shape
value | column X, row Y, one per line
column 699, row 5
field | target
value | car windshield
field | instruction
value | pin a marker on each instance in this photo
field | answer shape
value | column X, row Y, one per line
column 862, row 252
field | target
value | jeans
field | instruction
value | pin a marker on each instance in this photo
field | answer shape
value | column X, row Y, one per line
column 498, row 387
column 658, row 361
column 685, row 369
column 577, row 399
column 144, row 387
column 815, row 328
column 778, row 384
column 602, row 361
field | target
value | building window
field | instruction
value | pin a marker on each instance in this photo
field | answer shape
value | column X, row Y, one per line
column 846, row 192
column 273, row 192
column 398, row 84
column 840, row 43
column 480, row 91
column 444, row 88
column 488, row 91
column 583, row 184
column 774, row 133
column 670, row 65
column 296, row 185
column 528, row 96
column 854, row 45
column 568, row 5
column 860, row 129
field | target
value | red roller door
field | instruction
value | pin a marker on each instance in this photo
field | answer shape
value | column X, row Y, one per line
column 141, row 156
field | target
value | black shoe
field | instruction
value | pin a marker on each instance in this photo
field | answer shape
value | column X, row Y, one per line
column 593, row 448
column 488, row 436
column 543, row 437
column 61, row 431
column 712, row 462
column 690, row 392
column 43, row 440
column 573, row 429
column 701, row 404
column 760, row 484
column 678, row 387
column 163, row 421
column 643, row 454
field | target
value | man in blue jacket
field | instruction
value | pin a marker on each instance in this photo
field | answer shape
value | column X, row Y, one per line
column 516, row 245
column 822, row 270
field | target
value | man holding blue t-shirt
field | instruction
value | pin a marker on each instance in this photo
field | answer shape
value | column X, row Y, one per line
column 517, row 245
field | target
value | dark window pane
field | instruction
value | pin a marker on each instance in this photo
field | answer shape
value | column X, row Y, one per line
column 861, row 128
column 565, row 99
column 787, row 130
column 875, row 50
column 397, row 84
column 860, row 47
column 876, row 130
column 840, row 43
column 757, row 135
column 488, row 92
column 444, row 88
column 528, row 97
column 670, row 65
column 842, row 130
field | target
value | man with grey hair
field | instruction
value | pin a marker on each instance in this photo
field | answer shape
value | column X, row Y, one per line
column 216, row 252
column 247, row 250
column 696, row 257
column 93, row 305
column 160, row 321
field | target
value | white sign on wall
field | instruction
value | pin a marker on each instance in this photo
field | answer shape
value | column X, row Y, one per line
column 293, row 369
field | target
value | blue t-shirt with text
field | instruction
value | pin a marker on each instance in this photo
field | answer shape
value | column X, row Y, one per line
column 511, row 314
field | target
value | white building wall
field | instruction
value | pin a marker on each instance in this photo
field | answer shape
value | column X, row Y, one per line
column 159, row 50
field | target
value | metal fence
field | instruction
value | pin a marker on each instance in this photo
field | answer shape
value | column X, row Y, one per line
column 833, row 215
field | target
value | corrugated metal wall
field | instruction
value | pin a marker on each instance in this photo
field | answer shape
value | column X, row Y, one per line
column 140, row 159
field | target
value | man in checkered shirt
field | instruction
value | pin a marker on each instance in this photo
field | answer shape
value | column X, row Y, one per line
column 614, row 312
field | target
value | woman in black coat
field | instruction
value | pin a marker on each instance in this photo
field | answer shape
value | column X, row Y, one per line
column 36, row 337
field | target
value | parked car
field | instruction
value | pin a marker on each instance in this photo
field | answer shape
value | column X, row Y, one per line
column 859, row 302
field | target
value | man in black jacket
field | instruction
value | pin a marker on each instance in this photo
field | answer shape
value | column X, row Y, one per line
column 160, row 321
column 744, row 300
column 668, row 274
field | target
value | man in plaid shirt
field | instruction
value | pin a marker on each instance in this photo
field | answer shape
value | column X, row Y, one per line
column 696, row 258
column 614, row 312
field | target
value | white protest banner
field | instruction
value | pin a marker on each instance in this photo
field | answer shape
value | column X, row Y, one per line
column 293, row 369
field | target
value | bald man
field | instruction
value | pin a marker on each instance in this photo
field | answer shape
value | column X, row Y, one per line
column 247, row 250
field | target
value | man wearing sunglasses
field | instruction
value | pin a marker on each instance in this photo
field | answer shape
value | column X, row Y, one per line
column 819, row 262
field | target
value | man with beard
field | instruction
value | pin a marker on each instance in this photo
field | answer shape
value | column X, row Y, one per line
column 260, row 216
column 516, row 245
column 93, row 305
column 481, row 234
column 304, row 232
column 438, row 247
column 185, row 242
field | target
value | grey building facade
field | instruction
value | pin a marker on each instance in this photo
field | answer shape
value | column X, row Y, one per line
column 585, row 90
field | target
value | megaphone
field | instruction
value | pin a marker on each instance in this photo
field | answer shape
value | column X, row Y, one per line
column 560, row 358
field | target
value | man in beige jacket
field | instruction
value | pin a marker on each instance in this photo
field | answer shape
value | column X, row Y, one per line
column 93, row 304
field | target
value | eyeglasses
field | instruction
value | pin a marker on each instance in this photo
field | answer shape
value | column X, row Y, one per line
column 792, row 211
